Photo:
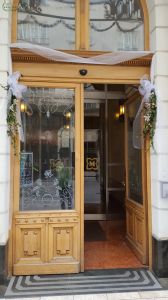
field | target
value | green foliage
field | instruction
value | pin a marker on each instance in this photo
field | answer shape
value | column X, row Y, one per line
column 64, row 177
column 150, row 113
column 12, row 123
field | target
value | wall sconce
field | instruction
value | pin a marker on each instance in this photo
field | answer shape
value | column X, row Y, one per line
column 120, row 115
column 117, row 115
column 68, row 115
column 122, row 109
column 26, row 108
column 23, row 107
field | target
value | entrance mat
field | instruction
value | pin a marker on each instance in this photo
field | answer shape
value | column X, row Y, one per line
column 94, row 232
column 89, row 282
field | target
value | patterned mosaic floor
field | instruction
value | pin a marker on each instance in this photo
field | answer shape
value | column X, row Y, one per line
column 106, row 247
column 97, row 281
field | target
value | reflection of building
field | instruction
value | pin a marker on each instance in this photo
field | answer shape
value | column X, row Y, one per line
column 50, row 136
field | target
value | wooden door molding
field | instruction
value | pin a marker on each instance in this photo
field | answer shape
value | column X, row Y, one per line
column 36, row 69
column 45, row 242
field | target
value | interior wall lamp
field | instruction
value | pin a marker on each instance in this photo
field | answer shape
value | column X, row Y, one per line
column 26, row 108
column 120, row 115
column 122, row 109
column 23, row 107
column 68, row 114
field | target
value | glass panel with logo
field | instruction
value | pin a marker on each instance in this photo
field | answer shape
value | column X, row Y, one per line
column 49, row 23
column 47, row 154
column 134, row 157
column 116, row 25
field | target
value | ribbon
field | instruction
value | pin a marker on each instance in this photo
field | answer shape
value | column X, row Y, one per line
column 145, row 89
column 17, row 90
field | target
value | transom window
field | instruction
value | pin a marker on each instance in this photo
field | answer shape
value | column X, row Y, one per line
column 82, row 24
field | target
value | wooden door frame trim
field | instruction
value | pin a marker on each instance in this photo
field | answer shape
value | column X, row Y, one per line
column 15, row 182
column 57, row 82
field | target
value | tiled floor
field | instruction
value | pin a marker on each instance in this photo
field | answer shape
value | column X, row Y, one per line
column 112, row 253
column 157, row 295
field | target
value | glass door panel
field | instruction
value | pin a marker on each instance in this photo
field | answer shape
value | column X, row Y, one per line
column 134, row 157
column 47, row 22
column 116, row 25
column 94, row 155
column 47, row 158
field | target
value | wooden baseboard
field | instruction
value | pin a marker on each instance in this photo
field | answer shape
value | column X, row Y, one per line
column 46, row 269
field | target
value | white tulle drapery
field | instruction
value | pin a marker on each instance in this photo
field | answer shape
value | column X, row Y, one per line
column 111, row 58
column 145, row 90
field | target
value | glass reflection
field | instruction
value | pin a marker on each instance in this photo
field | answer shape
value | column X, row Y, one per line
column 134, row 158
column 116, row 25
column 47, row 159
column 47, row 22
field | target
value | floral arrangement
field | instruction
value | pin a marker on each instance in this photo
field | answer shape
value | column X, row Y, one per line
column 150, row 113
column 147, row 109
column 12, row 121
column 15, row 91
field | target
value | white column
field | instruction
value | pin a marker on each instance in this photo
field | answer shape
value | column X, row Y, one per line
column 5, row 28
column 158, row 12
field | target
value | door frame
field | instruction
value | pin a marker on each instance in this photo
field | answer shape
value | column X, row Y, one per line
column 37, row 71
column 74, row 217
column 139, row 211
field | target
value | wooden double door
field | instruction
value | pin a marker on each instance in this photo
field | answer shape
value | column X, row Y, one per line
column 48, row 220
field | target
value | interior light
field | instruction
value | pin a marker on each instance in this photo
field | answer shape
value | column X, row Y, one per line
column 68, row 115
column 23, row 107
column 122, row 109
column 117, row 115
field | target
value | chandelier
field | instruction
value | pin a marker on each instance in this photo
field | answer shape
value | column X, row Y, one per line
column 48, row 101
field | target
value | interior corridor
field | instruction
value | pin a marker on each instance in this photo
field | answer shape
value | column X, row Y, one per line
column 106, row 247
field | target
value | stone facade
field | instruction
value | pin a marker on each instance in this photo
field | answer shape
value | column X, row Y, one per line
column 5, row 63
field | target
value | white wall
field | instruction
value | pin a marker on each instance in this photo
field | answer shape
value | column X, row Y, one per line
column 158, row 14
column 5, row 28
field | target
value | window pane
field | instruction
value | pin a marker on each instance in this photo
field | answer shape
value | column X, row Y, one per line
column 116, row 25
column 47, row 159
column 134, row 158
column 47, row 22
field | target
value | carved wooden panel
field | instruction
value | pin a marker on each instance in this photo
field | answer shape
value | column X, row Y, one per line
column 63, row 241
column 130, row 222
column 139, row 224
column 136, row 233
column 48, row 244
column 30, row 243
